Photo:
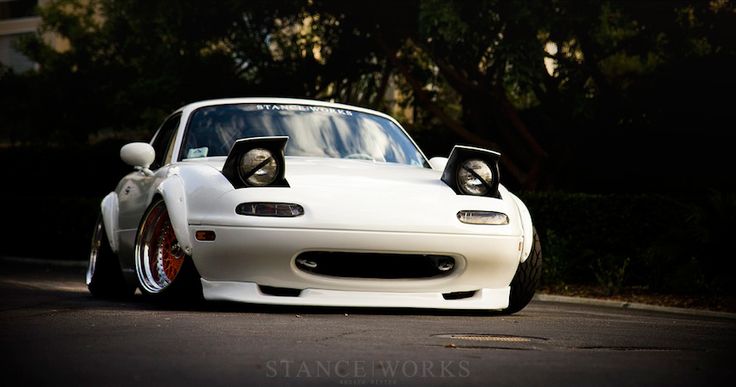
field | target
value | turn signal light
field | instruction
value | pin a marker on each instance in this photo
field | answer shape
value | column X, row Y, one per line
column 205, row 235
column 279, row 210
column 483, row 217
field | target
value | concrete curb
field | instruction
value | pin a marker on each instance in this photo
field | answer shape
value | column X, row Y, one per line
column 632, row 305
column 539, row 297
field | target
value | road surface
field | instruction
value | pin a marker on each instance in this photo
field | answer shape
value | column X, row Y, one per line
column 52, row 332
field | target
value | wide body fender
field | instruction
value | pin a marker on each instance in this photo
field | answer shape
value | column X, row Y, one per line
column 173, row 191
column 109, row 211
column 526, row 225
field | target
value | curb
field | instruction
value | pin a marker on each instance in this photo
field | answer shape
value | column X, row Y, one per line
column 632, row 305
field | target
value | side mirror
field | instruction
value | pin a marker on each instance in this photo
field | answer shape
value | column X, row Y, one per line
column 438, row 163
column 139, row 155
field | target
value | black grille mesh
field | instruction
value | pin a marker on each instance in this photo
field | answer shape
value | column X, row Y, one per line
column 374, row 265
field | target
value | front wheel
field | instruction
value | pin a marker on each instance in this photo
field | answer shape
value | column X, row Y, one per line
column 163, row 269
column 526, row 279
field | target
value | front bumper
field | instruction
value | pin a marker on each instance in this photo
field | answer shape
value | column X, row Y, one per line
column 486, row 299
column 241, row 258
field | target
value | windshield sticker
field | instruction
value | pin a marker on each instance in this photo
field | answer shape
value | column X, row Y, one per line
column 196, row 153
column 303, row 108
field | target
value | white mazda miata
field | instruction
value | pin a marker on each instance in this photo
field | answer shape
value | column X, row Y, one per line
column 299, row 202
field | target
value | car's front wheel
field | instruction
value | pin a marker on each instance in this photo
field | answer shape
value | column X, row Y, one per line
column 163, row 268
column 104, row 277
column 526, row 279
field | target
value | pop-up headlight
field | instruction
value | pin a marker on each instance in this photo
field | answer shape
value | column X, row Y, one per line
column 258, row 167
column 257, row 162
column 474, row 177
column 472, row 171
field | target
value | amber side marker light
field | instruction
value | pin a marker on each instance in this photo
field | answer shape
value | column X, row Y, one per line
column 205, row 235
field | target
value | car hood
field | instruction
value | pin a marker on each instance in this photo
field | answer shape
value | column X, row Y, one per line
column 304, row 172
column 362, row 195
column 365, row 175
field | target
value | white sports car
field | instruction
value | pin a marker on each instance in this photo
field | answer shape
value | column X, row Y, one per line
column 299, row 202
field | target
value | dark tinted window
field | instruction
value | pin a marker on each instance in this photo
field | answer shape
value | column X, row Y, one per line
column 314, row 131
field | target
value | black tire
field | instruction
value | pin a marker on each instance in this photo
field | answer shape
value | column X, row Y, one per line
column 526, row 279
column 104, row 276
column 172, row 274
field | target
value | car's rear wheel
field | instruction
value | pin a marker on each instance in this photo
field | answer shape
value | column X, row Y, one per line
column 526, row 279
column 163, row 269
column 104, row 277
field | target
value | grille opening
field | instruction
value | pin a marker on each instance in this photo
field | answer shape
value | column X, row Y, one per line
column 375, row 265
column 280, row 292
column 458, row 295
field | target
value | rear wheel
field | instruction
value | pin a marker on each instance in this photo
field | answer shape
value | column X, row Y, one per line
column 163, row 269
column 104, row 277
column 526, row 279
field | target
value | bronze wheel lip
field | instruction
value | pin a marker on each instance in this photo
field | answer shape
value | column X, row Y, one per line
column 154, row 227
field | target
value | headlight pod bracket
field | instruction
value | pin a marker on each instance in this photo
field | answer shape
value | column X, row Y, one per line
column 461, row 154
column 275, row 145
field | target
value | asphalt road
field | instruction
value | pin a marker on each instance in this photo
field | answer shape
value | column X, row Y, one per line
column 53, row 332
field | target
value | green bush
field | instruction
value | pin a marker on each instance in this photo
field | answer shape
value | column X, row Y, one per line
column 661, row 242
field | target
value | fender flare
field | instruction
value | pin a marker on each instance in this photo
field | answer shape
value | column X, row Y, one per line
column 175, row 198
column 109, row 212
column 526, row 226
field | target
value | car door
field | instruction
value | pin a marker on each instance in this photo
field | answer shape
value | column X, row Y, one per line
column 136, row 189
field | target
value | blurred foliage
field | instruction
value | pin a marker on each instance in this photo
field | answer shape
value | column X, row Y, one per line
column 558, row 86
column 660, row 242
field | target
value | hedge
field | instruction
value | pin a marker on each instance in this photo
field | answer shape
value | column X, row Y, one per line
column 662, row 242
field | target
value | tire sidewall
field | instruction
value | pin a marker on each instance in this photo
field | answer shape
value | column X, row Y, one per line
column 526, row 279
column 104, row 275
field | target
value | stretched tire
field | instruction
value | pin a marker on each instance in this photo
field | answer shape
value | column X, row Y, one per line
column 104, row 277
column 526, row 279
column 164, row 270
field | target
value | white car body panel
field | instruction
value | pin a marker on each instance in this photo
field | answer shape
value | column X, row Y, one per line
column 349, row 206
column 173, row 192
column 484, row 299
column 109, row 211
column 526, row 225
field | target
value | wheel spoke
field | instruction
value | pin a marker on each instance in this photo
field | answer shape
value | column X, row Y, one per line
column 159, row 258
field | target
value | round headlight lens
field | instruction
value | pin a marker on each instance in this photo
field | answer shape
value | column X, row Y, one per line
column 474, row 177
column 258, row 167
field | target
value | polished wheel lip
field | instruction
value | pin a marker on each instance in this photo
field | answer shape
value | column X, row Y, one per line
column 155, row 241
column 94, row 251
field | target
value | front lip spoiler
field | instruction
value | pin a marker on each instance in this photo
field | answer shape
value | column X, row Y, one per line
column 483, row 299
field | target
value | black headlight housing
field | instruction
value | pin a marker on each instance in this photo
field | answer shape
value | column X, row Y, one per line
column 472, row 171
column 257, row 162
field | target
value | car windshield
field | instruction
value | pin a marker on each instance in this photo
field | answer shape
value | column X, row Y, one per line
column 314, row 131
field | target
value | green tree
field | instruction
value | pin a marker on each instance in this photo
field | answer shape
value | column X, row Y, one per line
column 548, row 83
